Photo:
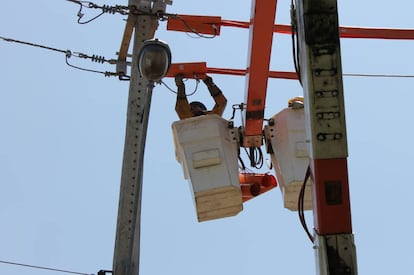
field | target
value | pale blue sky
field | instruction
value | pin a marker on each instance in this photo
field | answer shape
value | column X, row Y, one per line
column 63, row 131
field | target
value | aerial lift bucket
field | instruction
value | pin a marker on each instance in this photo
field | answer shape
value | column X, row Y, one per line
column 286, row 143
column 208, row 155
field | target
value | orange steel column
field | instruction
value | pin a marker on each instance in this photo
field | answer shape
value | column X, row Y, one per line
column 260, row 47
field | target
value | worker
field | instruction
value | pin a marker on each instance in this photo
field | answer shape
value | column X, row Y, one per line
column 186, row 110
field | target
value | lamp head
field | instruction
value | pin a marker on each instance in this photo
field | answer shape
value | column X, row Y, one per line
column 154, row 59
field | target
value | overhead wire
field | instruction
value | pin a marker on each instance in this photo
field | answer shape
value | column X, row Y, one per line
column 123, row 10
column 106, row 73
column 101, row 59
column 379, row 75
column 294, row 75
column 68, row 54
column 32, row 44
column 108, row 9
column 45, row 268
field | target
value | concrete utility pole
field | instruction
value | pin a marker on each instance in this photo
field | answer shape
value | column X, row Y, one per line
column 321, row 74
column 127, row 240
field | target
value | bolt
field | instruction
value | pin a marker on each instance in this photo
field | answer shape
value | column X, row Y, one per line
column 321, row 137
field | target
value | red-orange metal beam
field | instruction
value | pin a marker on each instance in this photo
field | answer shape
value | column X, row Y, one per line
column 376, row 33
column 188, row 70
column 213, row 24
column 199, row 70
column 344, row 32
column 195, row 24
column 260, row 48
column 271, row 74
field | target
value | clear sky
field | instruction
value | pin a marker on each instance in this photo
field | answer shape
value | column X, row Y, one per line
column 63, row 130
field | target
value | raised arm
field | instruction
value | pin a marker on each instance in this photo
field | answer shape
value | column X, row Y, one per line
column 182, row 107
column 217, row 95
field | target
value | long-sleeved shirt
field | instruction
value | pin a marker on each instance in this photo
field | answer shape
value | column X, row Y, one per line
column 183, row 108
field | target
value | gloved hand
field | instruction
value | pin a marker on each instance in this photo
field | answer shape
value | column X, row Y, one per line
column 179, row 80
column 212, row 88
column 208, row 80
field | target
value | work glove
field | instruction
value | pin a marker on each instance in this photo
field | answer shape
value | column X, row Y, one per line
column 179, row 80
column 212, row 88
column 208, row 81
column 180, row 85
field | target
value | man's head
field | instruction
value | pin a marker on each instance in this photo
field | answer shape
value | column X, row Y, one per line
column 197, row 108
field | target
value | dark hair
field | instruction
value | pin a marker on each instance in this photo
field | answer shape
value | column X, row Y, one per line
column 199, row 104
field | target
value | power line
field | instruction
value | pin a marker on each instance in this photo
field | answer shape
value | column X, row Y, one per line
column 101, row 59
column 44, row 268
column 380, row 75
column 123, row 10
column 68, row 54
column 33, row 44
column 105, row 9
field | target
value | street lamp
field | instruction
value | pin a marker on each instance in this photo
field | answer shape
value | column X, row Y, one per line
column 154, row 59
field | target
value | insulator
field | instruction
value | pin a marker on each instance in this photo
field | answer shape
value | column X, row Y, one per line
column 98, row 59
column 108, row 9
column 108, row 74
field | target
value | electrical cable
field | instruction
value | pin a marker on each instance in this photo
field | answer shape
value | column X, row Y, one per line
column 68, row 54
column 123, row 10
column 237, row 107
column 32, row 44
column 90, row 20
column 80, row 14
column 101, row 59
column 196, row 87
column 168, row 87
column 192, row 30
column 175, row 92
column 295, row 42
column 255, row 156
column 301, row 199
column 44, row 268
column 379, row 75
column 242, row 166
column 89, row 70
column 294, row 75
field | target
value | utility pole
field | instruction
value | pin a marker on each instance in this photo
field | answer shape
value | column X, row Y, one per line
column 142, row 19
column 321, row 75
